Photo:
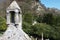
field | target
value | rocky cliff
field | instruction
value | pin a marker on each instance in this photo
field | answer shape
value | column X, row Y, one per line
column 33, row 6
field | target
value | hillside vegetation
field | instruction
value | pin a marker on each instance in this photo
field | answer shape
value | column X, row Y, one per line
column 47, row 19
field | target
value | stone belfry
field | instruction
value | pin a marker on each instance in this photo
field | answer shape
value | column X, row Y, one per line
column 14, row 15
column 14, row 22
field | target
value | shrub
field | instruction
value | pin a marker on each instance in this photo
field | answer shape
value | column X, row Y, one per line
column 2, row 24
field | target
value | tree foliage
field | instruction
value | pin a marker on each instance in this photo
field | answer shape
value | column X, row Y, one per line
column 28, row 17
column 2, row 24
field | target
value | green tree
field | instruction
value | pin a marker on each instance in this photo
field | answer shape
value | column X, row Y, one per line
column 39, row 19
column 2, row 24
column 48, row 18
column 28, row 17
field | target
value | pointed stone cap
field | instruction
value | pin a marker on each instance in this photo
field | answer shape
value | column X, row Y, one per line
column 14, row 5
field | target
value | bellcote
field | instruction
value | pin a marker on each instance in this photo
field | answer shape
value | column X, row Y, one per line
column 14, row 16
column 14, row 7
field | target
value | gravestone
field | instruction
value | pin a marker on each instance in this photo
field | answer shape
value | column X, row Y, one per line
column 14, row 23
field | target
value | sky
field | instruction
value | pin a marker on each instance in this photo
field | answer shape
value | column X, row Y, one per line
column 51, row 3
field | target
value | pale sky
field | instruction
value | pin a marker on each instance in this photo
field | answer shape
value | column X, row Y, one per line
column 51, row 3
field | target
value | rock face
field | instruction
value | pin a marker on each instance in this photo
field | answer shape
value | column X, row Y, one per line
column 38, row 7
column 14, row 23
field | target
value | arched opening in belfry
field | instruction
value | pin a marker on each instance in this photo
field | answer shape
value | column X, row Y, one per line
column 12, row 13
column 37, row 0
